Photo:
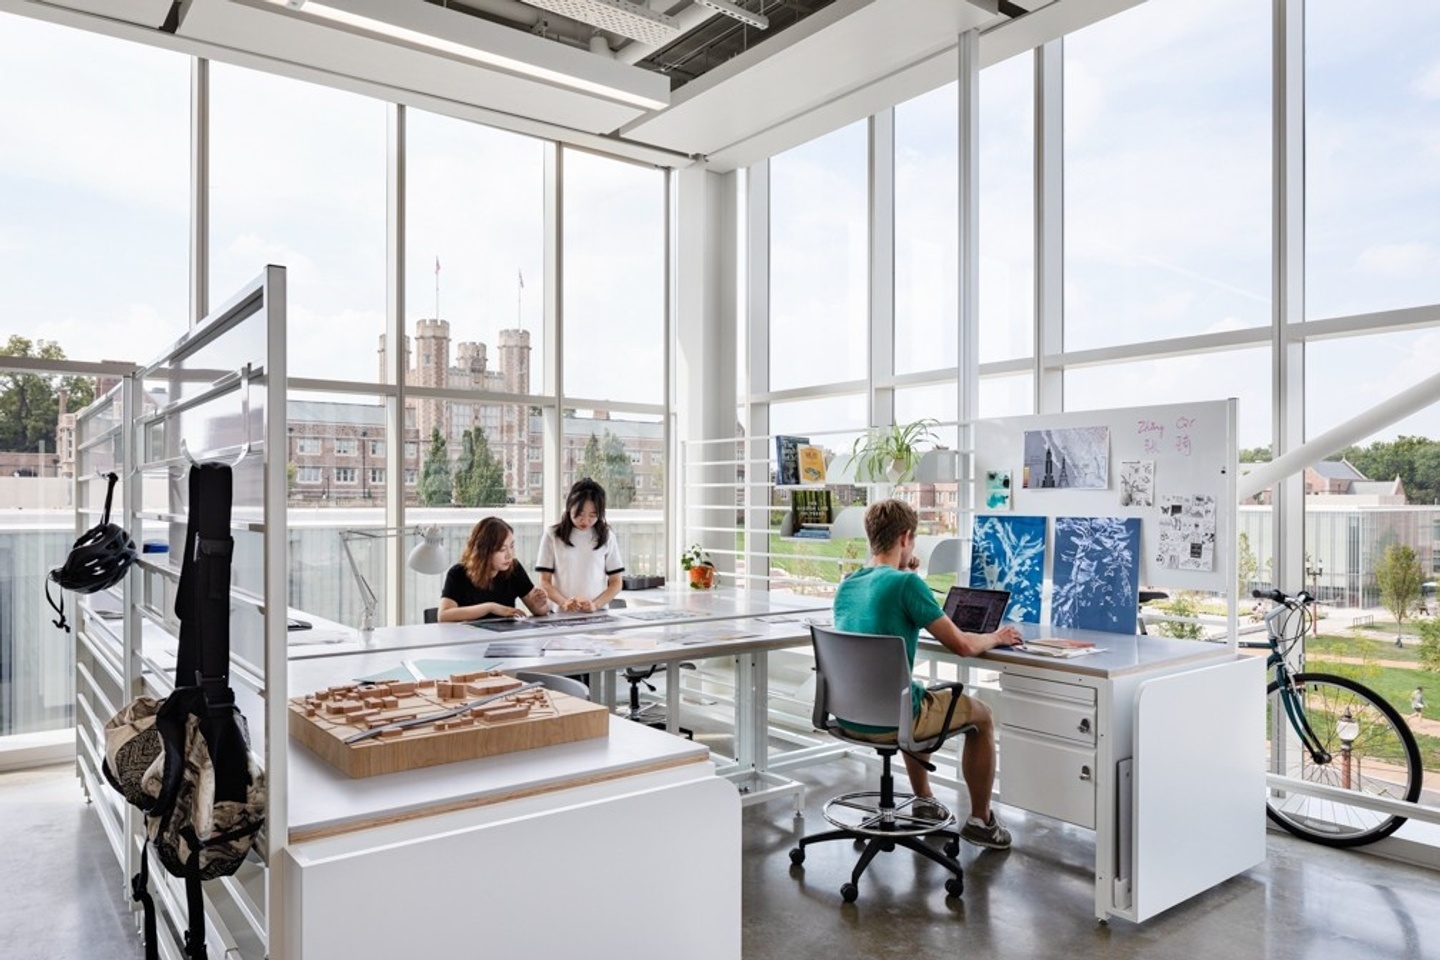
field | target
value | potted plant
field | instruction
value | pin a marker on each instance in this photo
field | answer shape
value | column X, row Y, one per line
column 696, row 561
column 891, row 454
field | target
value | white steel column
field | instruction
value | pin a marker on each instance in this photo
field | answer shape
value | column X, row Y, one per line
column 1288, row 263
column 757, row 365
column 395, row 222
column 881, row 362
column 967, row 341
column 1049, row 226
column 199, row 191
column 705, row 363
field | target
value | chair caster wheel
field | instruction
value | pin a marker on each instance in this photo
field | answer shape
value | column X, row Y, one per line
column 888, row 846
column 849, row 892
column 797, row 856
column 952, row 847
column 954, row 887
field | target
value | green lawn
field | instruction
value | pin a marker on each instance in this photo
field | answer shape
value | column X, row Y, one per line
column 1362, row 644
column 1394, row 684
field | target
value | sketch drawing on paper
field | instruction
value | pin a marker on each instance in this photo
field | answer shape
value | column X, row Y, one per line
column 1187, row 533
column 1008, row 553
column 1097, row 573
column 1137, row 483
column 1074, row 458
column 997, row 489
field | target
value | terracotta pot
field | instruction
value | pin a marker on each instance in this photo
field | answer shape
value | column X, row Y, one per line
column 702, row 578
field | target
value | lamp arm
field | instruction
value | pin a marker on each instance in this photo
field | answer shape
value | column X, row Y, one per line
column 367, row 594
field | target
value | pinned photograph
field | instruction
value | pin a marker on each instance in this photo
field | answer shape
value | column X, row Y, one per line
column 1137, row 483
column 997, row 489
column 1074, row 458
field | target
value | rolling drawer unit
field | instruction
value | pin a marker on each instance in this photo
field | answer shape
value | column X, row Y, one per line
column 1047, row 747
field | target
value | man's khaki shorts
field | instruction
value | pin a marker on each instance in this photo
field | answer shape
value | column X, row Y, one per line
column 930, row 719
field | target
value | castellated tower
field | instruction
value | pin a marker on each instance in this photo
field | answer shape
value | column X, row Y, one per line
column 514, row 422
column 432, row 369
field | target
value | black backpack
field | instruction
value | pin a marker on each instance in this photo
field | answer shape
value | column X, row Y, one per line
column 185, row 760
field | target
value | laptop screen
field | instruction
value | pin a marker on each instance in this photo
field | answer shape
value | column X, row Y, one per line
column 974, row 610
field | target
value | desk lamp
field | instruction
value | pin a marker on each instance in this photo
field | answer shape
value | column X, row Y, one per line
column 426, row 557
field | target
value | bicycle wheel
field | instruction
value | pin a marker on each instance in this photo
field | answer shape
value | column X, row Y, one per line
column 1379, row 759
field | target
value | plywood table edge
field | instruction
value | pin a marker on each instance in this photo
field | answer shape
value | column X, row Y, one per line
column 490, row 799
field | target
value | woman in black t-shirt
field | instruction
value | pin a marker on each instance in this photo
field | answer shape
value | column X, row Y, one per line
column 488, row 581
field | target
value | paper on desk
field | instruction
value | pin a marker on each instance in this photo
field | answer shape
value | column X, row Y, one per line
column 714, row 635
column 1062, row 653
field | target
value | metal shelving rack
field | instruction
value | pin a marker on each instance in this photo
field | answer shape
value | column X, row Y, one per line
column 216, row 394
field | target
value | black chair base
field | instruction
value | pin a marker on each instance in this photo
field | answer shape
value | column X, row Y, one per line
column 883, row 820
column 650, row 714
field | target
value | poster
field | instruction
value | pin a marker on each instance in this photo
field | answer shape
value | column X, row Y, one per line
column 1137, row 483
column 1097, row 573
column 1073, row 458
column 1187, row 533
column 1008, row 553
column 997, row 489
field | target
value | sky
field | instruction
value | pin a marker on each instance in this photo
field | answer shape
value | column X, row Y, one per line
column 1167, row 138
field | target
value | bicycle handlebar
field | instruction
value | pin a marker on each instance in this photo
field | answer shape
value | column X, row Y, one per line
column 1302, row 598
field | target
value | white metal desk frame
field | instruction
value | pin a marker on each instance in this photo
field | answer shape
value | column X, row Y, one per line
column 748, row 770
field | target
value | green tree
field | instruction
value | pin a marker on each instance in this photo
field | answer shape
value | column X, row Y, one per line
column 479, row 476
column 30, row 403
column 1415, row 460
column 1246, row 566
column 436, row 488
column 1254, row 455
column 1182, row 605
column 606, row 461
column 620, row 485
column 1430, row 644
column 1398, row 576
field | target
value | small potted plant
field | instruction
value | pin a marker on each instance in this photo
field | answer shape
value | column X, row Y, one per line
column 696, row 561
column 891, row 454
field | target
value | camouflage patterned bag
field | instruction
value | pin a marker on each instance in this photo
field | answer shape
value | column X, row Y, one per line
column 185, row 760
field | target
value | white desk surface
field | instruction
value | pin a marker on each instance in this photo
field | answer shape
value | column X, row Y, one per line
column 323, row 801
column 1120, row 653
column 642, row 610
column 458, row 641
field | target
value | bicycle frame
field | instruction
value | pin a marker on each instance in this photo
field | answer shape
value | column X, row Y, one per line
column 1277, row 621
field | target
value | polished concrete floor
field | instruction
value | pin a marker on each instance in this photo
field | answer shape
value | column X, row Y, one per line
column 62, row 895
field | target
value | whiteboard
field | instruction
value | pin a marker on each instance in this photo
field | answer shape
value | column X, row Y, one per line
column 1192, row 447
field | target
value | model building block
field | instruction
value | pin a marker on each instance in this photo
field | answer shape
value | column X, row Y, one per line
column 503, row 722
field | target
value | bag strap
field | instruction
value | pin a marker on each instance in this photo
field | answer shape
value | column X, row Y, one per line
column 140, row 892
column 202, row 600
column 195, row 935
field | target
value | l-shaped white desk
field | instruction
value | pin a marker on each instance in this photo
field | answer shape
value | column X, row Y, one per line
column 1154, row 743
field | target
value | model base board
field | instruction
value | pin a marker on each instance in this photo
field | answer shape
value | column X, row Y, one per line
column 504, row 722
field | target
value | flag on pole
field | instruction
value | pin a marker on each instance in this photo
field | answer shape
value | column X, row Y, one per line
column 437, row 266
column 521, row 275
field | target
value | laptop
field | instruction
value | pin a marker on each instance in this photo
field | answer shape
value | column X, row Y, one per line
column 975, row 610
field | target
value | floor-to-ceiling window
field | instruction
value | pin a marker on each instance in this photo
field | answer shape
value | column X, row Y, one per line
column 93, row 239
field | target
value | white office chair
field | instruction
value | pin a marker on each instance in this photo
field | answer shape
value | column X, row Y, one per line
column 550, row 681
column 865, row 678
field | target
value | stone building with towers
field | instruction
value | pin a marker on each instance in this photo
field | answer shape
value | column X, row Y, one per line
column 429, row 364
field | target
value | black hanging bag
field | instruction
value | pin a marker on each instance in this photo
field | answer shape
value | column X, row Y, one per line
column 185, row 760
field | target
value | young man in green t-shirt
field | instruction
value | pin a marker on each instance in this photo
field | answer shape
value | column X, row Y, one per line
column 888, row 598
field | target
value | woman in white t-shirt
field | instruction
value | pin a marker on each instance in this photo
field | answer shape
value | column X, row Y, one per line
column 579, row 563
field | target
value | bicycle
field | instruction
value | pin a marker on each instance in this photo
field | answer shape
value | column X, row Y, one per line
column 1344, row 736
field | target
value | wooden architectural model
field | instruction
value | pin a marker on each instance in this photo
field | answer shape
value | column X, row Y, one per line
column 364, row 729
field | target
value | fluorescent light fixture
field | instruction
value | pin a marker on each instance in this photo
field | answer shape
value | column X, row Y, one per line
column 734, row 11
column 428, row 27
column 633, row 20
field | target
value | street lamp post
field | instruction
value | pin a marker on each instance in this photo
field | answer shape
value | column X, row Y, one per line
column 1347, row 730
column 1316, row 571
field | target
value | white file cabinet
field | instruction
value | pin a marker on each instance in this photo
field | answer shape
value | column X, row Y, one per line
column 1047, row 747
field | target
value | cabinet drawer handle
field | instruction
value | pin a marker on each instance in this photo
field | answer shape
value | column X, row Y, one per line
column 1085, row 725
column 1085, row 773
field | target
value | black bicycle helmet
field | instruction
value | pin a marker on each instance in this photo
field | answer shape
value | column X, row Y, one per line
column 97, row 560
